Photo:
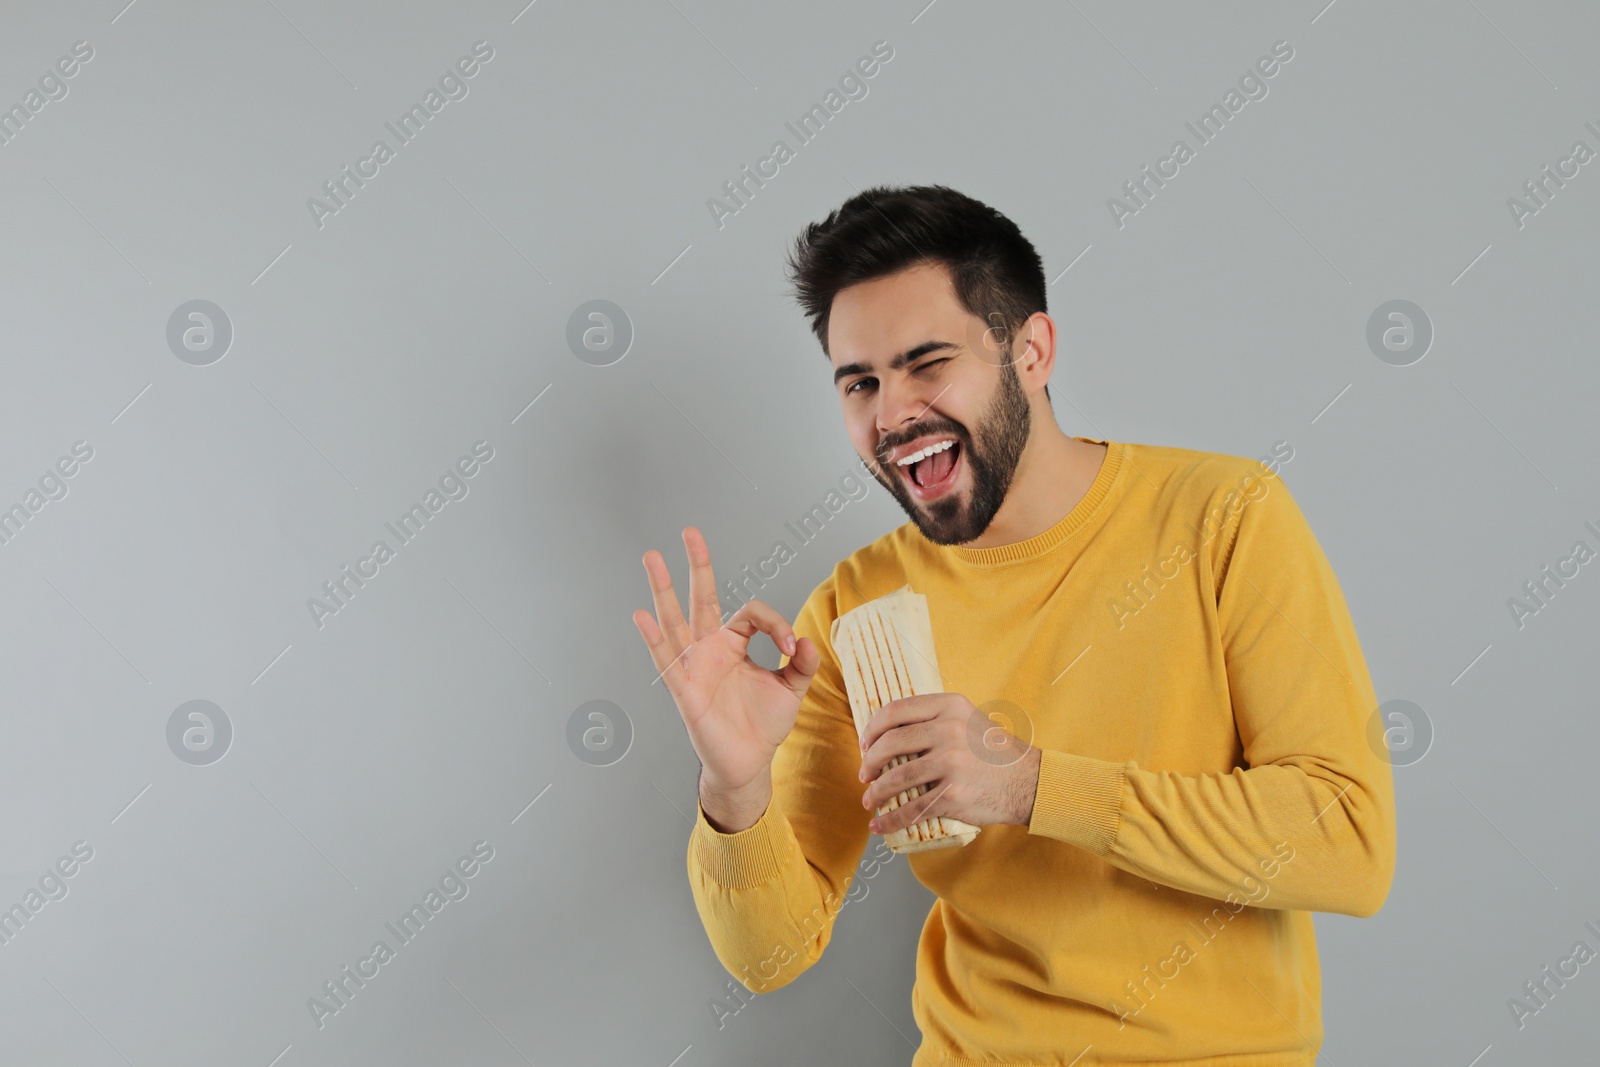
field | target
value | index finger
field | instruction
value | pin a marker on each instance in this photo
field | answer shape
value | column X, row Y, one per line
column 919, row 708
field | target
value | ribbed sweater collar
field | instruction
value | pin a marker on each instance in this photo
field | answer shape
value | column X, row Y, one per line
column 1081, row 514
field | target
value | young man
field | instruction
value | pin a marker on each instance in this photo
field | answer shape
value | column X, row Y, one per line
column 1184, row 772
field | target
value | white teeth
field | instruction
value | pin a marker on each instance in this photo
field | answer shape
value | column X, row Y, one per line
column 924, row 453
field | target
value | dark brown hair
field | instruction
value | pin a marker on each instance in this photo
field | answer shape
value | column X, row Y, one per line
column 886, row 229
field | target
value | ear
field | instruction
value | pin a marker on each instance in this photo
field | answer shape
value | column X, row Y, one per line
column 1034, row 354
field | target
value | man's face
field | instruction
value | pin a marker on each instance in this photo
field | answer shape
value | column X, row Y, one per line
column 958, row 385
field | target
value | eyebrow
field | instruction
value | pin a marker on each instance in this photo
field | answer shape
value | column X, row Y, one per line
column 904, row 358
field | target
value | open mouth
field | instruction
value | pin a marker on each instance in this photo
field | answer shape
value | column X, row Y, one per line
column 934, row 475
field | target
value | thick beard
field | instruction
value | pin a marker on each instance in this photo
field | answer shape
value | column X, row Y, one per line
column 1002, row 434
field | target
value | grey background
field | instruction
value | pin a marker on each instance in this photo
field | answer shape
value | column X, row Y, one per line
column 369, row 354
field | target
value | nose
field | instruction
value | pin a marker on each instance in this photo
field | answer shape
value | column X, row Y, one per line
column 902, row 402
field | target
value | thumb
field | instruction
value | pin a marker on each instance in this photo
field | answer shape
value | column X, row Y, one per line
column 798, row 672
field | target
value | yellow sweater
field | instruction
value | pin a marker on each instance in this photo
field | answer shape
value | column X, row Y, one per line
column 1179, row 649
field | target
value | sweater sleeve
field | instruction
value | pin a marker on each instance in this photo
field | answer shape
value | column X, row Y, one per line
column 768, row 895
column 1311, row 816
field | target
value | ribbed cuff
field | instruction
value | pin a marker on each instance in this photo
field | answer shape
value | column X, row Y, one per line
column 1079, row 800
column 743, row 860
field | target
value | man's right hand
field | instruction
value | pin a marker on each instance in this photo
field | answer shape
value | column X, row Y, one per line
column 736, row 711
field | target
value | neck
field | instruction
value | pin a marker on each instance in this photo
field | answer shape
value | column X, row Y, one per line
column 1054, row 473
